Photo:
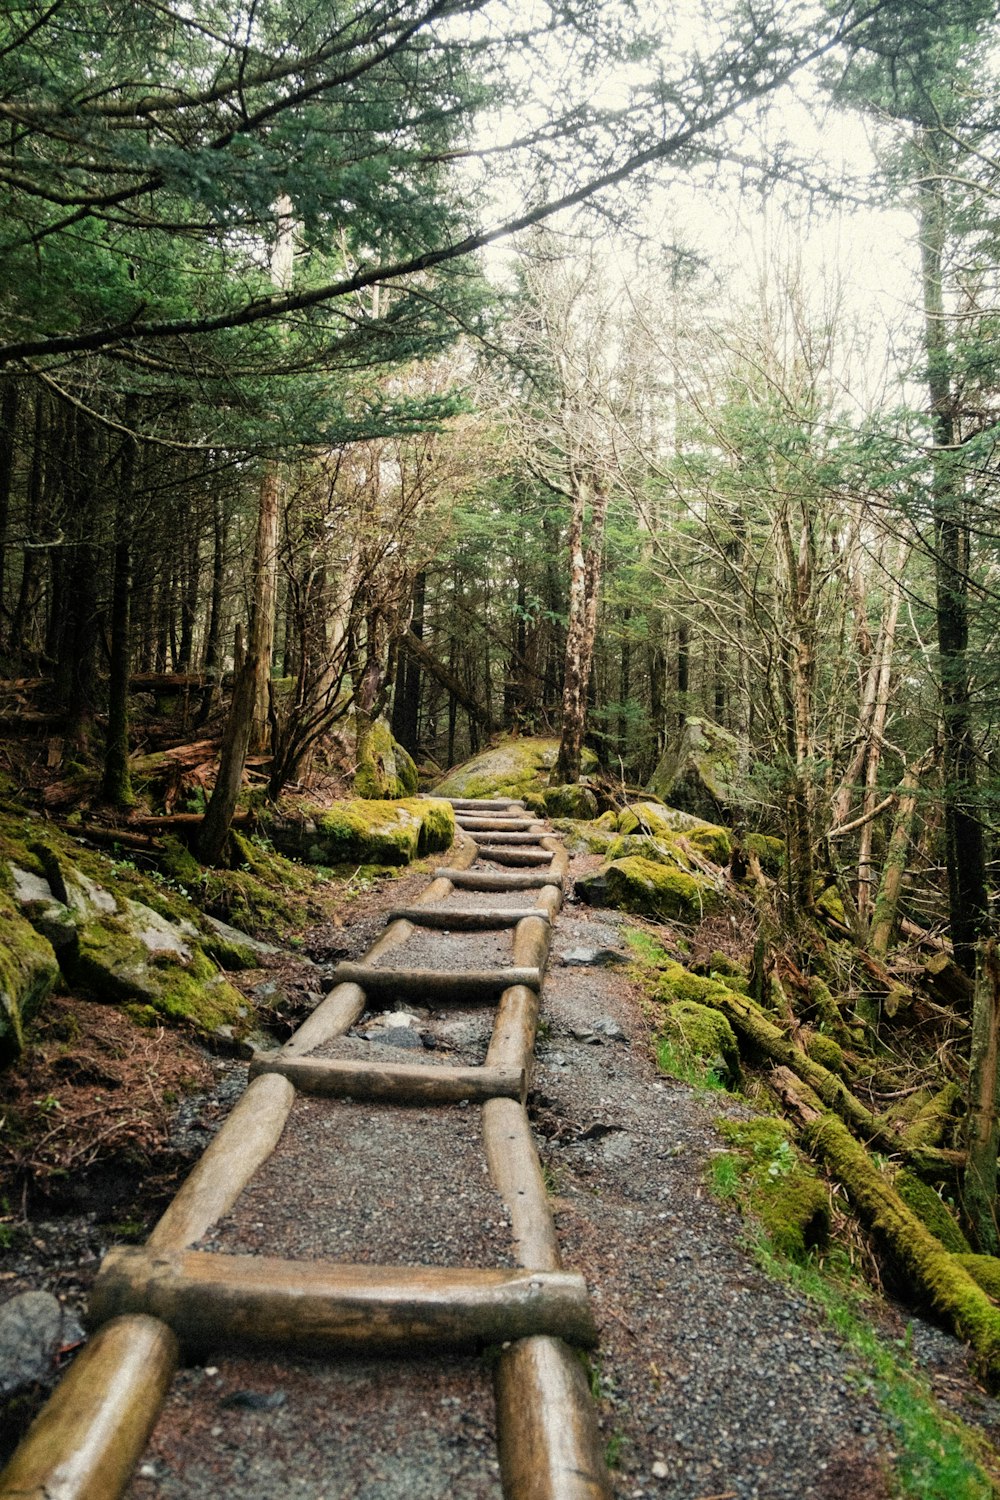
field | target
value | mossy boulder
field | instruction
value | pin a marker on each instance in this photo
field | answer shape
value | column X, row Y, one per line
column 573, row 801
column 778, row 1186
column 29, row 972
column 385, row 771
column 770, row 852
column 674, row 982
column 514, row 767
column 115, row 948
column 363, row 832
column 585, row 838
column 655, row 890
column 705, row 1034
column 932, row 1211
column 662, row 851
column 698, row 771
column 665, row 824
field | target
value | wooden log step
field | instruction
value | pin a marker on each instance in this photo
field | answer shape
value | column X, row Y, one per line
column 502, row 855
column 393, row 1083
column 212, row 1301
column 89, row 1436
column 473, row 824
column 500, row 880
column 435, row 984
column 466, row 918
column 485, row 804
column 517, row 837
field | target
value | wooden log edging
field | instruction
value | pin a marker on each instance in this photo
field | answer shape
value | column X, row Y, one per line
column 547, row 1436
column 316, row 1306
column 393, row 1083
column 89, row 1436
column 243, row 1143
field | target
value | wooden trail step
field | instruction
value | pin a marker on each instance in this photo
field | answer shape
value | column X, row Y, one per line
column 518, row 837
column 466, row 918
column 90, row 1435
column 502, row 855
column 322, row 1307
column 470, row 824
column 393, row 1083
column 499, row 880
column 435, row 984
column 474, row 804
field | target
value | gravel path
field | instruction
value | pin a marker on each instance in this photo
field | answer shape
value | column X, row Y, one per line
column 714, row 1382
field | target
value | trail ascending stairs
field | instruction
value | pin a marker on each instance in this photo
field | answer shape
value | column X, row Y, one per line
column 479, row 935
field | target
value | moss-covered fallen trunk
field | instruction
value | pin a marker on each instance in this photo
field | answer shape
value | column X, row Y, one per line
column 914, row 1252
column 748, row 1021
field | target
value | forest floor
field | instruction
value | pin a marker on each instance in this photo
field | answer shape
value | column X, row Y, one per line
column 717, row 1378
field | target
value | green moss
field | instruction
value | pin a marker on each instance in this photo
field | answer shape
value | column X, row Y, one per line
column 179, row 863
column 675, row 982
column 653, row 890
column 984, row 1270
column 437, row 824
column 932, row 1211
column 255, row 907
column 829, row 904
column 29, row 973
column 827, row 1052
column 584, row 838
column 571, row 801
column 919, row 1259
column 515, row 767
column 777, row 1185
column 770, row 852
column 705, row 1034
column 385, row 770
column 933, row 1122
column 661, row 850
column 608, row 820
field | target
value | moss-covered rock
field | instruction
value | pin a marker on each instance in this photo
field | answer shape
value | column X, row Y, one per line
column 514, row 767
column 705, row 1034
column 585, row 838
column 385, row 771
column 778, row 1186
column 29, row 972
column 932, row 1211
column 655, row 890
column 770, row 852
column 698, row 771
column 662, row 851
column 364, row 832
column 608, row 820
column 665, row 823
column 573, row 801
column 674, row 982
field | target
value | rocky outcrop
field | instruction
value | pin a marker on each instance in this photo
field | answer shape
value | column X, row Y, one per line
column 365, row 832
column 28, row 974
column 698, row 771
column 384, row 770
column 511, row 768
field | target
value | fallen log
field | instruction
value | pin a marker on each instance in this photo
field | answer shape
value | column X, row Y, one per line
column 393, row 1083
column 91, row 1433
column 949, row 985
column 909, row 1247
column 438, row 985
column 314, row 1306
column 101, row 833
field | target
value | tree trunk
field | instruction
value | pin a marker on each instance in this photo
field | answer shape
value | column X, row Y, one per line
column 979, row 1193
column 584, row 591
column 8, row 420
column 965, row 847
column 232, row 759
column 265, row 582
column 116, row 786
column 891, row 884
